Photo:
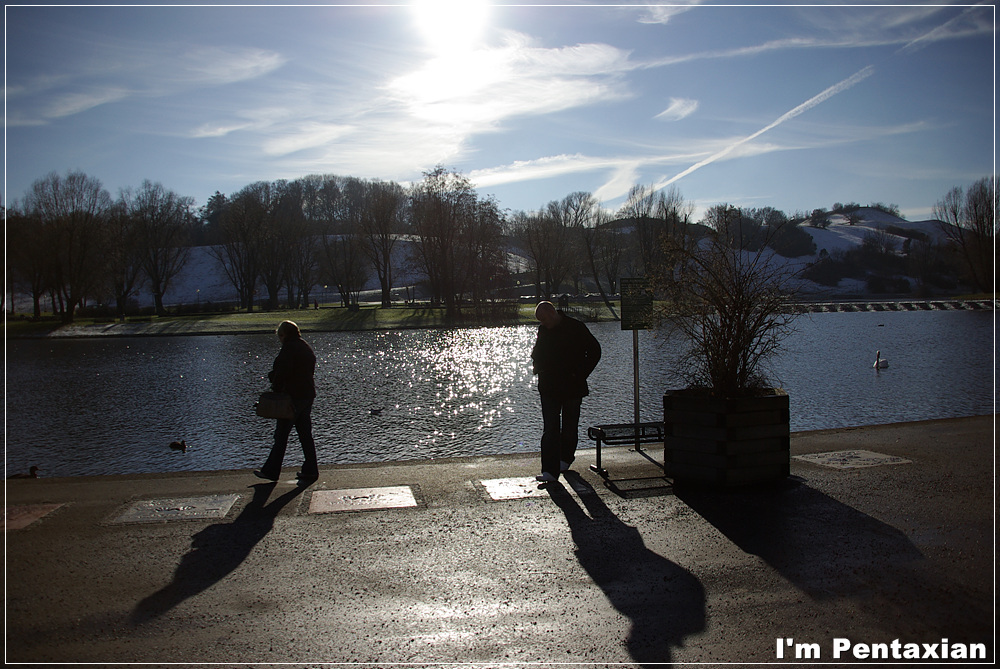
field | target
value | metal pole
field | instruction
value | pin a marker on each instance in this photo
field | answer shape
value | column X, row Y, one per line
column 635, row 385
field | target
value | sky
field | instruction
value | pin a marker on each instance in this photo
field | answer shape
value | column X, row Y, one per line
column 795, row 107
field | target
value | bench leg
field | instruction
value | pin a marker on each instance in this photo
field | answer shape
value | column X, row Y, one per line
column 597, row 466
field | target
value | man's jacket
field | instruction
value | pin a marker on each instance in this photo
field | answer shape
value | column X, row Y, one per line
column 564, row 357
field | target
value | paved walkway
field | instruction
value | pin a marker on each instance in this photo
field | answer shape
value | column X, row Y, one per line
column 220, row 567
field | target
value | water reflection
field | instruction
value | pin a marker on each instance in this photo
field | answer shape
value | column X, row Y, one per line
column 113, row 405
column 439, row 392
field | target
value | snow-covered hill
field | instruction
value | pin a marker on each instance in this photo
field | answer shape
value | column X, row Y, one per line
column 841, row 235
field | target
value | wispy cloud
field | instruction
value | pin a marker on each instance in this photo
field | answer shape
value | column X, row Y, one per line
column 212, row 66
column 839, row 28
column 541, row 168
column 622, row 170
column 431, row 113
column 663, row 14
column 218, row 129
column 71, row 103
column 491, row 85
column 105, row 78
column 678, row 109
column 303, row 136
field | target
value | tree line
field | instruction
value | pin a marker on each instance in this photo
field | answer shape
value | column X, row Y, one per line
column 70, row 242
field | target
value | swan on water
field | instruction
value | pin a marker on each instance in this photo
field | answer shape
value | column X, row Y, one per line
column 879, row 362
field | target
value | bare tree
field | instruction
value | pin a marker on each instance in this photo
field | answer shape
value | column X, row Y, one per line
column 729, row 304
column 597, row 238
column 337, row 203
column 879, row 242
column 278, row 208
column 483, row 257
column 29, row 255
column 380, row 222
column 304, row 268
column 611, row 247
column 654, row 213
column 341, row 264
column 547, row 241
column 638, row 208
column 442, row 204
column 577, row 213
column 125, row 256
column 736, row 227
column 162, row 221
column 242, row 231
column 525, row 231
column 459, row 239
column 74, row 211
column 325, row 204
column 969, row 222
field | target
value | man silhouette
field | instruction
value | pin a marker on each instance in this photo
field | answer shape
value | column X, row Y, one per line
column 564, row 355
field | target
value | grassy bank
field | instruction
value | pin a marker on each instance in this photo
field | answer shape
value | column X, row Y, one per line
column 328, row 319
column 325, row 319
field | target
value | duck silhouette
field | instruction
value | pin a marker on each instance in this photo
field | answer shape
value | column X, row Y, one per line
column 179, row 445
column 32, row 474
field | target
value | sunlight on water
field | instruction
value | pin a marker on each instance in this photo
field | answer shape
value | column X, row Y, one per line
column 109, row 406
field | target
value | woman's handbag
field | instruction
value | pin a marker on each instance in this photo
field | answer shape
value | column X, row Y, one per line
column 275, row 405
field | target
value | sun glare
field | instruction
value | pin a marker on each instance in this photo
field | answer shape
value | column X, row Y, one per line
column 451, row 26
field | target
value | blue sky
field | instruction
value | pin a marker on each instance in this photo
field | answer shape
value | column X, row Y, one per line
column 794, row 107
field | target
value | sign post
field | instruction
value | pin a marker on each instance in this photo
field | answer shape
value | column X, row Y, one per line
column 637, row 314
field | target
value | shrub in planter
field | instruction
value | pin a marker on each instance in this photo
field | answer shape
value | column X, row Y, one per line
column 730, row 306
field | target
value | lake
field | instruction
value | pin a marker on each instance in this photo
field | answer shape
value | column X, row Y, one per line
column 112, row 405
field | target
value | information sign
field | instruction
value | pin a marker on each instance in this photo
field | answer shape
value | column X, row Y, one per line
column 637, row 303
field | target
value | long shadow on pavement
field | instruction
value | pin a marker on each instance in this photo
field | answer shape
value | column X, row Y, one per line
column 664, row 601
column 830, row 550
column 216, row 551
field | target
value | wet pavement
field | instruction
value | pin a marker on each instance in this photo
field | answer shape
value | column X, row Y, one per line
column 882, row 533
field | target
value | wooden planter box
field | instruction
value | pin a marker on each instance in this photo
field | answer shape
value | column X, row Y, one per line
column 727, row 442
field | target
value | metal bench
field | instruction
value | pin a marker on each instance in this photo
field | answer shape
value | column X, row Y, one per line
column 620, row 434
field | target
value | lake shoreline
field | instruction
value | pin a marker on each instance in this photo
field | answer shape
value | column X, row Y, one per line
column 339, row 319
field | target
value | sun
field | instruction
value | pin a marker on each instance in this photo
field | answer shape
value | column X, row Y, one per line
column 451, row 26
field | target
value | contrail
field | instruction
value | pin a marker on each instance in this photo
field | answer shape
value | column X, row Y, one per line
column 858, row 76
column 942, row 29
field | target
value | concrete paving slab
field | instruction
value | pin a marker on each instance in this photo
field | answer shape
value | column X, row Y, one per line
column 525, row 487
column 362, row 499
column 517, row 487
column 852, row 459
column 20, row 516
column 178, row 508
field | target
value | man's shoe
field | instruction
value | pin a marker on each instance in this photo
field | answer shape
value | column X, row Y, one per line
column 306, row 477
column 545, row 477
column 261, row 475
